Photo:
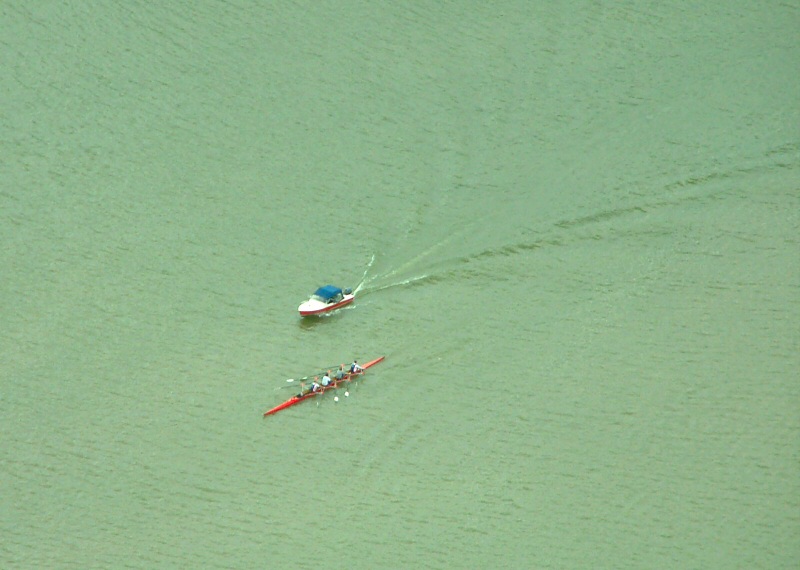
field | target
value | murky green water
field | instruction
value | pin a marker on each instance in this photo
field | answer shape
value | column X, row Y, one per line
column 575, row 228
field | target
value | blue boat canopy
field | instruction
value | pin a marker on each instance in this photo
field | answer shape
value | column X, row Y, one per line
column 328, row 292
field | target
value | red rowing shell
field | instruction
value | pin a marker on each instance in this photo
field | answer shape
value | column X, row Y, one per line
column 297, row 399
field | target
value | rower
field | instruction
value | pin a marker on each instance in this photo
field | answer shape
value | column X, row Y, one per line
column 355, row 368
column 340, row 374
column 326, row 379
column 315, row 387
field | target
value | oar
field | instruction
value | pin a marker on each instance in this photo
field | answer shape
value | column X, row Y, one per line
column 346, row 395
column 290, row 380
column 334, row 386
column 293, row 380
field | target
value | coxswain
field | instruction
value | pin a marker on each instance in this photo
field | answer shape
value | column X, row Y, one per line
column 355, row 368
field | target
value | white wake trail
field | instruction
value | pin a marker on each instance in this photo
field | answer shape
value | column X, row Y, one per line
column 364, row 277
column 422, row 255
column 398, row 284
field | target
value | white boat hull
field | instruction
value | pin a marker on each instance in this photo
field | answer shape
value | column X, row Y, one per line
column 315, row 307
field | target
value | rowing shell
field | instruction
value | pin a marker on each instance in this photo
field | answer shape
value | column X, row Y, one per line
column 297, row 399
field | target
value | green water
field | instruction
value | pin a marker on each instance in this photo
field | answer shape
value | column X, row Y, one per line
column 575, row 227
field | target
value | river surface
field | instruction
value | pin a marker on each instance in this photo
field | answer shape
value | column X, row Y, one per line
column 574, row 229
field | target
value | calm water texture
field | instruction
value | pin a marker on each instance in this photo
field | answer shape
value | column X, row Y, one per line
column 574, row 226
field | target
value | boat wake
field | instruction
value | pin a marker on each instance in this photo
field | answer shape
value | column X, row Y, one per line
column 369, row 285
column 364, row 277
column 408, row 281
